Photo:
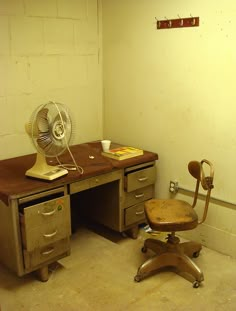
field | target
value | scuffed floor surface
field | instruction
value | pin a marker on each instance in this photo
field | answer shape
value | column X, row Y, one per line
column 98, row 276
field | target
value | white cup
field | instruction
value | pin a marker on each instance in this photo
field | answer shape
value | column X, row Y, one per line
column 105, row 144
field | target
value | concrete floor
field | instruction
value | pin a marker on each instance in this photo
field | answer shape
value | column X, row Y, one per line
column 99, row 276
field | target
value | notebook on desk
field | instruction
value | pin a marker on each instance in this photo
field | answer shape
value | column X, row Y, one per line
column 122, row 153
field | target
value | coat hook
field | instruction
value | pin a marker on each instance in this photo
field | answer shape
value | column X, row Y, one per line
column 158, row 23
column 193, row 21
column 181, row 22
column 169, row 22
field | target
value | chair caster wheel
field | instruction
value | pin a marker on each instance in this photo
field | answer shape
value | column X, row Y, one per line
column 144, row 249
column 196, row 284
column 196, row 254
column 137, row 278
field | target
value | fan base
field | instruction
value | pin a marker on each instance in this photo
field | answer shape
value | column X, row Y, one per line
column 42, row 170
column 50, row 173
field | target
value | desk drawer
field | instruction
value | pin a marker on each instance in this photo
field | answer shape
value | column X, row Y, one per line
column 134, row 214
column 139, row 179
column 45, row 223
column 95, row 181
column 80, row 186
column 139, row 195
column 104, row 179
column 46, row 253
column 37, row 237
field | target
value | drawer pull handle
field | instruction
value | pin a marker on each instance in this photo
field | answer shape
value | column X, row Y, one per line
column 47, row 213
column 137, row 196
column 50, row 235
column 139, row 213
column 48, row 252
column 142, row 179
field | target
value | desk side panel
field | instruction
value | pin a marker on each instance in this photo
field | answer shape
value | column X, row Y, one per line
column 10, row 243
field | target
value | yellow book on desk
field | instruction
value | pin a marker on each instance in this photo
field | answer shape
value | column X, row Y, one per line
column 122, row 153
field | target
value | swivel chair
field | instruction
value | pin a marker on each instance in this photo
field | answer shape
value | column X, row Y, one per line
column 174, row 215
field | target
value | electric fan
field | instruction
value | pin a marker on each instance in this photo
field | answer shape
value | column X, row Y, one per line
column 50, row 129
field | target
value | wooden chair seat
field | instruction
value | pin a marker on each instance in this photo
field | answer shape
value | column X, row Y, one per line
column 170, row 215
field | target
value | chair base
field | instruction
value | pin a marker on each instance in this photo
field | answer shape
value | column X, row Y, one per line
column 172, row 254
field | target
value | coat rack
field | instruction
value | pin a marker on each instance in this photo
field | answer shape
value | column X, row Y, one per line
column 178, row 23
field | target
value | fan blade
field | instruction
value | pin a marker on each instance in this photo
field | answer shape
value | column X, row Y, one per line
column 60, row 116
column 48, row 145
column 66, row 120
column 31, row 129
column 44, row 140
column 53, row 149
column 51, row 129
column 61, row 126
column 42, row 120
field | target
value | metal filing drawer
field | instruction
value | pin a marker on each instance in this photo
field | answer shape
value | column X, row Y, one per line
column 140, row 178
column 45, row 223
column 138, row 195
column 134, row 214
column 46, row 253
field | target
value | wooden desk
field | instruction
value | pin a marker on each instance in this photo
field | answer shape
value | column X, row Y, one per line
column 35, row 218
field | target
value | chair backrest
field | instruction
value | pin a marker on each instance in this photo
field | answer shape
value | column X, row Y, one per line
column 198, row 171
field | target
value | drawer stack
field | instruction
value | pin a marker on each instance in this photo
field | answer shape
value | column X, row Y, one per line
column 45, row 231
column 139, row 187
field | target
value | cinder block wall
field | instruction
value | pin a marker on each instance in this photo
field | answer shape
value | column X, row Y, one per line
column 49, row 50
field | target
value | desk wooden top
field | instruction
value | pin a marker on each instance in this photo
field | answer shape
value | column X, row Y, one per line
column 14, row 183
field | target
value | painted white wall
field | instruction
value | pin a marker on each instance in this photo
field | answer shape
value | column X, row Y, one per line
column 49, row 50
column 173, row 92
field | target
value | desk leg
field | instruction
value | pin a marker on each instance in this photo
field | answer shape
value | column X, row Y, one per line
column 133, row 232
column 43, row 274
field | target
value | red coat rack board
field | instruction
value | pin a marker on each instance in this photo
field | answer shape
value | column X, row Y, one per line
column 178, row 23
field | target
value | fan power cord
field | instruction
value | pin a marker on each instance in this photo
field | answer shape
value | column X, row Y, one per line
column 70, row 166
column 67, row 166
